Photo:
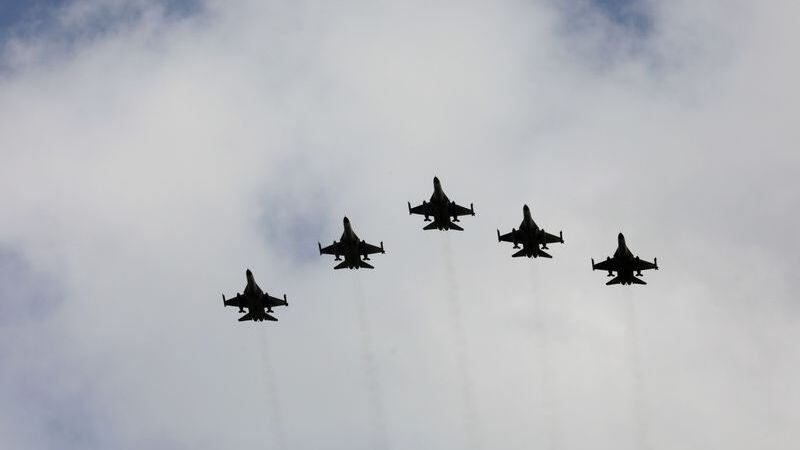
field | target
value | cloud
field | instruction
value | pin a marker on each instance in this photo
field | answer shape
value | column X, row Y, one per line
column 43, row 381
column 44, row 32
column 147, row 165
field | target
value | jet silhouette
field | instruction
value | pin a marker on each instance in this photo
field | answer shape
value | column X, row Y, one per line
column 255, row 300
column 443, row 210
column 530, row 236
column 352, row 248
column 625, row 264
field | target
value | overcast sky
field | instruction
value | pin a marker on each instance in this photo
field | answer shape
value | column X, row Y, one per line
column 151, row 151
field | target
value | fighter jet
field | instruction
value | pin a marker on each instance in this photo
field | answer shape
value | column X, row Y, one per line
column 255, row 300
column 530, row 236
column 443, row 210
column 625, row 264
column 352, row 248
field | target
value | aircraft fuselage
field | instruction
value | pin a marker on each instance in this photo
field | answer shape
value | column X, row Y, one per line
column 440, row 206
column 530, row 235
column 251, row 289
column 254, row 297
column 625, row 261
column 350, row 241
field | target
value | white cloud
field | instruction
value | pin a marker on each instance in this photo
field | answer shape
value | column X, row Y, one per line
column 145, row 169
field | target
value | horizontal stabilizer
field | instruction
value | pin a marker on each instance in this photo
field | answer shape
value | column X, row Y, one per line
column 250, row 316
column 431, row 226
column 455, row 227
column 638, row 281
column 341, row 265
column 525, row 252
column 365, row 265
column 520, row 253
column 615, row 280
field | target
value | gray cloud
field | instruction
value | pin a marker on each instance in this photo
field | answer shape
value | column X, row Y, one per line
column 148, row 166
column 48, row 392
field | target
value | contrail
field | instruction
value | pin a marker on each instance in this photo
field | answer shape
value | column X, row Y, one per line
column 376, row 408
column 271, row 394
column 639, row 405
column 548, row 386
column 472, row 432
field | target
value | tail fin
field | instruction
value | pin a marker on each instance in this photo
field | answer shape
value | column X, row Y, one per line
column 341, row 265
column 365, row 265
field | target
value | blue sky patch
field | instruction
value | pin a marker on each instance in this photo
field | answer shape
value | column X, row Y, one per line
column 13, row 12
column 38, row 17
column 26, row 293
column 629, row 14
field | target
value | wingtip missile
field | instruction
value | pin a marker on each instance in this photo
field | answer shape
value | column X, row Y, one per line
column 382, row 250
column 319, row 244
column 561, row 236
column 285, row 301
column 498, row 236
column 593, row 268
column 472, row 208
column 409, row 208
column 655, row 262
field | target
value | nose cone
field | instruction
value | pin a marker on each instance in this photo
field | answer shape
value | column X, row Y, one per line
column 346, row 221
column 621, row 239
column 525, row 209
column 435, row 181
column 248, row 273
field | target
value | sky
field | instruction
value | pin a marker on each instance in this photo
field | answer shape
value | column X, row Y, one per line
column 153, row 151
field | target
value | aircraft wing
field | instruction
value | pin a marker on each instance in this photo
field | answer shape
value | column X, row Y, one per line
column 508, row 237
column 334, row 249
column 238, row 301
column 270, row 301
column 640, row 264
column 608, row 264
column 458, row 210
column 367, row 249
column 552, row 238
column 424, row 209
